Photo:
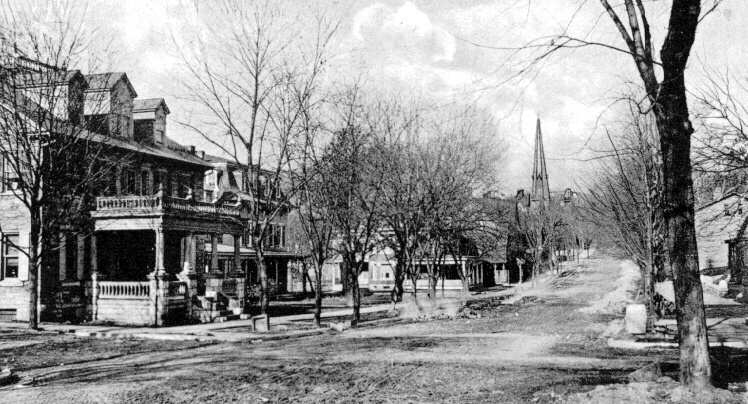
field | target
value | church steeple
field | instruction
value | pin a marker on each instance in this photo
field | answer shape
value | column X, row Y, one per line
column 540, row 190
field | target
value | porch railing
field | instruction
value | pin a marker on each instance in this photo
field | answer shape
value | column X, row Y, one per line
column 124, row 290
column 134, row 202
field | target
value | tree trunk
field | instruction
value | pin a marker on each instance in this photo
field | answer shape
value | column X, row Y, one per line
column 648, row 285
column 318, row 295
column 356, row 292
column 432, row 287
column 397, row 291
column 262, row 269
column 33, row 277
column 312, row 289
column 675, row 133
column 348, row 284
column 304, row 275
column 674, row 126
column 464, row 278
column 344, row 280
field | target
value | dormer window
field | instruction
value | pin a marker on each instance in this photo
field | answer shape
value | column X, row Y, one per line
column 108, row 105
column 150, row 120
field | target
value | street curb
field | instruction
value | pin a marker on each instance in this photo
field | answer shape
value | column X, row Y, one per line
column 162, row 337
column 628, row 344
column 199, row 338
column 266, row 338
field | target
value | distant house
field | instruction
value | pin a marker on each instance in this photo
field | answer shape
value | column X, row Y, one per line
column 721, row 235
column 234, row 256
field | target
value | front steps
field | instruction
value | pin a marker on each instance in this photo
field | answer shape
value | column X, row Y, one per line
column 217, row 309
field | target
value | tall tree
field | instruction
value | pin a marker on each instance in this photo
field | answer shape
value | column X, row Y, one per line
column 663, row 81
column 353, row 186
column 52, row 164
column 624, row 199
column 255, row 76
column 669, row 104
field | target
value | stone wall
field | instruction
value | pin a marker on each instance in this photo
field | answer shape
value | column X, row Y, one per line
column 126, row 311
column 13, row 292
column 15, row 297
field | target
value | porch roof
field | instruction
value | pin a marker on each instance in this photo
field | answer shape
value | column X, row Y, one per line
column 228, row 249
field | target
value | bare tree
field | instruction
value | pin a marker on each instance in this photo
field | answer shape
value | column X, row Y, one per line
column 52, row 164
column 663, row 81
column 624, row 199
column 317, row 230
column 721, row 149
column 539, row 225
column 254, row 78
column 458, row 159
column 353, row 177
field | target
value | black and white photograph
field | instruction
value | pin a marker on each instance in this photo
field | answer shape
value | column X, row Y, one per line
column 373, row 201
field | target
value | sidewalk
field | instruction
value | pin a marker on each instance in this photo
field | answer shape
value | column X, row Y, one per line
column 221, row 331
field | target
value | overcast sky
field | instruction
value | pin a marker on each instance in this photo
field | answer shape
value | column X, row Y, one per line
column 441, row 49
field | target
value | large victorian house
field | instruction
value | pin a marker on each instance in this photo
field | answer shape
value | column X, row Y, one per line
column 134, row 258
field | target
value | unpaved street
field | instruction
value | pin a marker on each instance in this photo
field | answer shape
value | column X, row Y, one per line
column 541, row 348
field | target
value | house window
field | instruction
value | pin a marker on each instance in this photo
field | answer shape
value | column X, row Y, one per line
column 275, row 235
column 144, row 189
column 10, row 255
column 156, row 181
column 128, row 179
column 10, row 178
column 184, row 185
column 210, row 180
column 174, row 185
column 281, row 235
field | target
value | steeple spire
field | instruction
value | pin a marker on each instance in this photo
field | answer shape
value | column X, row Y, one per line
column 540, row 190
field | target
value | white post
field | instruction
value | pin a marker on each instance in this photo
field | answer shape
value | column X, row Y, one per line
column 63, row 257
column 94, row 280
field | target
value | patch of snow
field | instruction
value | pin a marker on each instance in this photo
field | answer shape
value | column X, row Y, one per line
column 615, row 301
column 665, row 289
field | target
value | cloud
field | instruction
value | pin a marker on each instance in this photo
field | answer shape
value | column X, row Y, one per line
column 405, row 33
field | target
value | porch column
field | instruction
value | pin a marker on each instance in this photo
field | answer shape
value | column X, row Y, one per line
column 214, row 253
column 159, row 267
column 94, row 280
column 188, row 253
column 63, row 257
column 189, row 277
column 237, row 253
column 81, row 255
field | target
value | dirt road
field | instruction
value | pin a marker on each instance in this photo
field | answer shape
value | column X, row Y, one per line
column 541, row 349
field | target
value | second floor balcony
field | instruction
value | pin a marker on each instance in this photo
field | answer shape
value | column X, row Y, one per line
column 137, row 205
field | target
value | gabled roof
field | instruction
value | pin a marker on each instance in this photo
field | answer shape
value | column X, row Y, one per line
column 107, row 81
column 723, row 218
column 35, row 79
column 230, row 163
column 150, row 104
